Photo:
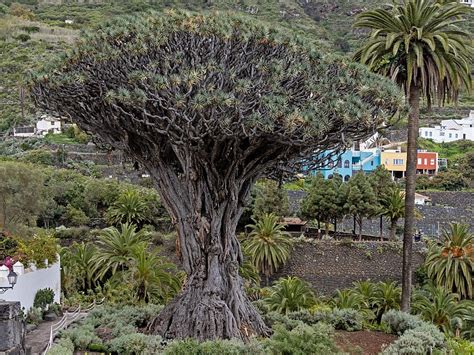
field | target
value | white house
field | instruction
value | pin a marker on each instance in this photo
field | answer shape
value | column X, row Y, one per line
column 421, row 199
column 30, row 281
column 450, row 130
column 46, row 124
column 467, row 2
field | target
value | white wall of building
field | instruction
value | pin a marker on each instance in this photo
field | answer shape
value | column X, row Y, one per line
column 30, row 282
column 46, row 126
column 467, row 2
column 450, row 130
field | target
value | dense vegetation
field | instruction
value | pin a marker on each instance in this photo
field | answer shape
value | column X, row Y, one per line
column 31, row 33
column 113, row 235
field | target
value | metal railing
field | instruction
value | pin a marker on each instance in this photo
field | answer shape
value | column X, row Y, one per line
column 67, row 319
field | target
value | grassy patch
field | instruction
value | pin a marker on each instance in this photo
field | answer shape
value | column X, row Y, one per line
column 451, row 150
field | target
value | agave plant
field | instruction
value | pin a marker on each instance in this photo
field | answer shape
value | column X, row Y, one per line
column 451, row 265
column 290, row 294
column 267, row 245
column 442, row 308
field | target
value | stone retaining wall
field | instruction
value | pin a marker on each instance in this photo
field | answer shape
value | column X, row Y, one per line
column 332, row 265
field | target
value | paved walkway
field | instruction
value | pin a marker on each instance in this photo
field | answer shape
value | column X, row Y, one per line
column 38, row 339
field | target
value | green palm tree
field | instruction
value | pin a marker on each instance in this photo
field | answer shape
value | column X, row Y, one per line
column 418, row 44
column 387, row 296
column 128, row 208
column 116, row 247
column 83, row 256
column 442, row 308
column 268, row 245
column 366, row 289
column 151, row 277
column 349, row 299
column 290, row 294
column 451, row 265
column 393, row 208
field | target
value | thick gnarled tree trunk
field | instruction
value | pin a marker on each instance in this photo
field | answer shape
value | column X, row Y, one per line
column 212, row 303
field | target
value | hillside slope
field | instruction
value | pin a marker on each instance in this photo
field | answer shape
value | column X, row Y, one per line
column 34, row 31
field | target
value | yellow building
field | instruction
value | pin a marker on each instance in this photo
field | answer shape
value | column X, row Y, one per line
column 395, row 162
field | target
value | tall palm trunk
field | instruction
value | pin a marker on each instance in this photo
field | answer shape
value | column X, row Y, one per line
column 414, row 102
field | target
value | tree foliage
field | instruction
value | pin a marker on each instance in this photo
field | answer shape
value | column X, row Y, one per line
column 268, row 245
column 324, row 200
column 361, row 201
column 419, row 42
column 22, row 194
column 451, row 264
column 116, row 247
column 270, row 198
column 289, row 295
column 393, row 208
column 128, row 208
column 208, row 104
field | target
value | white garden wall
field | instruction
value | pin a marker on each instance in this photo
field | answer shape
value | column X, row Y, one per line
column 32, row 281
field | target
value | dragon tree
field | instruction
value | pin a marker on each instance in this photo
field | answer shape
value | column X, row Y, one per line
column 208, row 104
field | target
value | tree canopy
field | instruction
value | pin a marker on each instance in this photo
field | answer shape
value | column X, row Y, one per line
column 207, row 104
column 208, row 82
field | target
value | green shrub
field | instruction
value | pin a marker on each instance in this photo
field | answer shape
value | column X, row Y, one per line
column 304, row 339
column 43, row 298
column 30, row 29
column 303, row 316
column 136, row 343
column 460, row 346
column 221, row 347
column 77, row 233
column 64, row 347
column 38, row 156
column 34, row 315
column 273, row 318
column 98, row 347
column 421, row 340
column 82, row 336
column 405, row 345
column 346, row 319
column 399, row 321
column 23, row 37
column 76, row 216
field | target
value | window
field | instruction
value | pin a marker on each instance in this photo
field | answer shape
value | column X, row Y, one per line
column 426, row 161
column 426, row 133
column 419, row 161
column 346, row 164
column 431, row 134
column 339, row 163
column 432, row 162
column 456, row 135
column 441, row 134
column 397, row 161
column 450, row 135
column 346, row 178
column 372, row 163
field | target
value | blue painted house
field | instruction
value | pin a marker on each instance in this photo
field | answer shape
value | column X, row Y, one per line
column 350, row 162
